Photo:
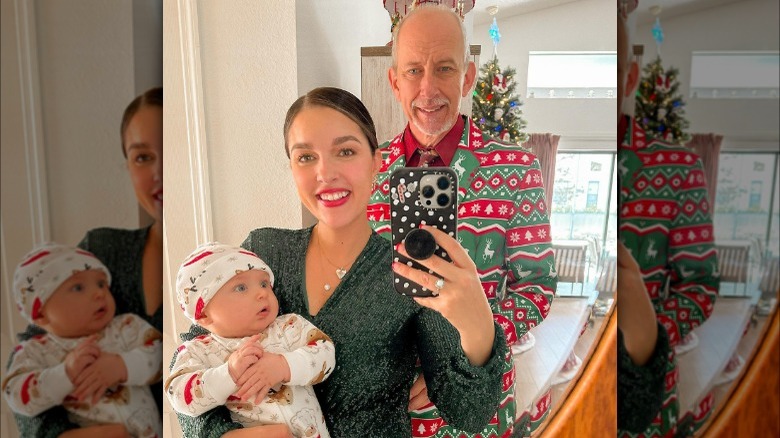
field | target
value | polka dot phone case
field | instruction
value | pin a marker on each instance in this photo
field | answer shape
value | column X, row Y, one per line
column 421, row 195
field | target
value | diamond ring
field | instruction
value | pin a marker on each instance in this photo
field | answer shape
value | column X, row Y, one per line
column 439, row 284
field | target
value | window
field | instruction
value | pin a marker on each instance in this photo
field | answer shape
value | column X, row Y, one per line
column 743, row 194
column 572, row 75
column 735, row 75
column 584, row 208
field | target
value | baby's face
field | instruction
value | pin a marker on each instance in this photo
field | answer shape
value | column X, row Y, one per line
column 82, row 305
column 244, row 306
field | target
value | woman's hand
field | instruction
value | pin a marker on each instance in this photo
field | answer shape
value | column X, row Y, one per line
column 116, row 430
column 461, row 301
column 269, row 431
column 269, row 371
column 81, row 357
column 636, row 315
column 106, row 371
column 247, row 354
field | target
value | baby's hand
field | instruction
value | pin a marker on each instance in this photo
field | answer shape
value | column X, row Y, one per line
column 267, row 372
column 248, row 353
column 81, row 357
column 106, row 371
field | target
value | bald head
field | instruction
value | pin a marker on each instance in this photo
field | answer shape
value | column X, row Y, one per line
column 434, row 16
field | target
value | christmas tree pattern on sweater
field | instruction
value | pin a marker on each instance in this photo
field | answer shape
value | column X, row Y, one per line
column 666, row 224
column 504, row 227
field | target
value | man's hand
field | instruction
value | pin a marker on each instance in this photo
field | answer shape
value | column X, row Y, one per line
column 418, row 395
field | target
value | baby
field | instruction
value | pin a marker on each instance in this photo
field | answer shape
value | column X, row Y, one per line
column 98, row 366
column 250, row 352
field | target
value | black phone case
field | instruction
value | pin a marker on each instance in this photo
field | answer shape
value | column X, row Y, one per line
column 408, row 211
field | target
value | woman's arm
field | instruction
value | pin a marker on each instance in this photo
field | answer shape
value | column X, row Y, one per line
column 636, row 316
column 466, row 395
column 461, row 301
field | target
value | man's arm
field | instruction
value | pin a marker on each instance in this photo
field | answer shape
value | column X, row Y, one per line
column 693, row 261
column 531, row 279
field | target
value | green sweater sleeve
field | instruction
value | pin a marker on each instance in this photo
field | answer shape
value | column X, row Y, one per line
column 212, row 424
column 640, row 389
column 467, row 396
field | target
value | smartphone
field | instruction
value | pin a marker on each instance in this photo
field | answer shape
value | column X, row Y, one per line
column 421, row 195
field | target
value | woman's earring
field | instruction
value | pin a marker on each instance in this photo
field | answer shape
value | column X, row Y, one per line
column 373, row 183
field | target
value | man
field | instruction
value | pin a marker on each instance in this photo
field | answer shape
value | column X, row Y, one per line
column 502, row 215
column 666, row 225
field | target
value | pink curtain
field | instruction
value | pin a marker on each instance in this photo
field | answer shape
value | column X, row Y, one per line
column 707, row 146
column 545, row 147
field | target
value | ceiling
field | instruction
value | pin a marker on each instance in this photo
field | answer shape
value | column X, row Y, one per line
column 669, row 8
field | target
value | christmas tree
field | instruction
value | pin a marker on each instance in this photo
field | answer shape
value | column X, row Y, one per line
column 659, row 105
column 496, row 107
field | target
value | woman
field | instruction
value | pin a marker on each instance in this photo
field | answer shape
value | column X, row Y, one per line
column 134, row 257
column 331, row 141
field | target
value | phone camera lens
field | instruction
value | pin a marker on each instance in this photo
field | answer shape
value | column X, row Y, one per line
column 442, row 200
column 428, row 191
column 443, row 183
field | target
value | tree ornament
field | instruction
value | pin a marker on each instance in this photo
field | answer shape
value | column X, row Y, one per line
column 496, row 109
column 659, row 104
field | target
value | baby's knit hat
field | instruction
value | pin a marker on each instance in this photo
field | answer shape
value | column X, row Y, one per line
column 209, row 267
column 44, row 269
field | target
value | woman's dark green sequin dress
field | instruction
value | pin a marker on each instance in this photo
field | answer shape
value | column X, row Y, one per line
column 378, row 335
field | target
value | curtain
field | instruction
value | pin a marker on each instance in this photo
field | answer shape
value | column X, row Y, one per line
column 707, row 146
column 545, row 147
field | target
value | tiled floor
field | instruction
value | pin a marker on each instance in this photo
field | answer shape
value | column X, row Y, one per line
column 555, row 338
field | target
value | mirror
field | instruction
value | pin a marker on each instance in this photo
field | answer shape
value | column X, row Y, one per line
column 233, row 139
column 69, row 70
column 741, row 172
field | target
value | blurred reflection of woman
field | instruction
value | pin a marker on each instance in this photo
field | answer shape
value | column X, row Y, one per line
column 134, row 257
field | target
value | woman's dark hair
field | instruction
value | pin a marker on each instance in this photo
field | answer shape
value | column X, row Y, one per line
column 340, row 100
column 152, row 97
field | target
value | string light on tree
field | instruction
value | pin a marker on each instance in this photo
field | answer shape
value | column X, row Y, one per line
column 659, row 105
column 495, row 106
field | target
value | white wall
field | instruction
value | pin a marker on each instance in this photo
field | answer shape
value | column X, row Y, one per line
column 229, row 77
column 330, row 35
column 744, row 25
column 580, row 25
column 85, row 53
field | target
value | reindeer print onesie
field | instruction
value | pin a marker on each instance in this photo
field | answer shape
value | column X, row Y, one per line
column 37, row 380
column 200, row 380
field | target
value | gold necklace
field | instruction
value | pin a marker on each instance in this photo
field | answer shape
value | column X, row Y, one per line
column 340, row 271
